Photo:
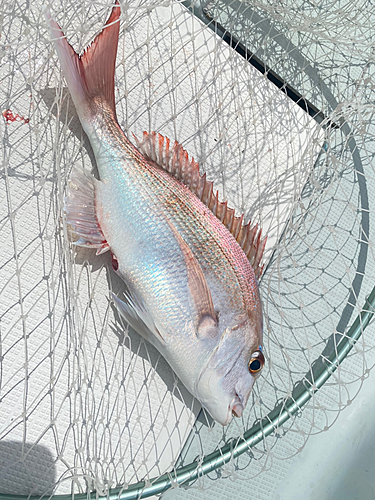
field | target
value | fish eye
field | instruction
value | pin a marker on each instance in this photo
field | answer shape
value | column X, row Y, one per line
column 256, row 362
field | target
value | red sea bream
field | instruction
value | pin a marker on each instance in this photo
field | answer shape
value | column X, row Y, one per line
column 189, row 265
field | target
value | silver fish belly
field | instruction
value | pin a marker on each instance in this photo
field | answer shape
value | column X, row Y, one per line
column 184, row 257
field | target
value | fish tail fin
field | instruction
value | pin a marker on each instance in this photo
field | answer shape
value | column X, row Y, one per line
column 90, row 77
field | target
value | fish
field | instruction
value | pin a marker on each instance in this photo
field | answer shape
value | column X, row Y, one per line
column 190, row 266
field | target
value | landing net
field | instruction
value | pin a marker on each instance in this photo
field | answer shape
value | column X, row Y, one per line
column 85, row 404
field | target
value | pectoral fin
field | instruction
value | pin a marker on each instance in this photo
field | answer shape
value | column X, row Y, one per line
column 206, row 322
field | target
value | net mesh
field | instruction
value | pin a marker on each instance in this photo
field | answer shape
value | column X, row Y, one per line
column 86, row 405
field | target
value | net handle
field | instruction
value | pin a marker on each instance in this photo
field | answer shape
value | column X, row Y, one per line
column 238, row 446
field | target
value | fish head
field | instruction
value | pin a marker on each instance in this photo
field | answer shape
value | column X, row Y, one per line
column 225, row 382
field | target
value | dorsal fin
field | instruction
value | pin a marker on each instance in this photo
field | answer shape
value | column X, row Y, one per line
column 175, row 160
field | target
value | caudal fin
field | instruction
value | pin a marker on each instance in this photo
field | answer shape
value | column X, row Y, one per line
column 91, row 75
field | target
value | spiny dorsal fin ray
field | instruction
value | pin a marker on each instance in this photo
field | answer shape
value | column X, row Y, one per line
column 175, row 160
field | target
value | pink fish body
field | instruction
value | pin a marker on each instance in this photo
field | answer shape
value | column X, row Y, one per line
column 184, row 257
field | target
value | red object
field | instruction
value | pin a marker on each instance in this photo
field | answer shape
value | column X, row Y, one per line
column 114, row 262
column 10, row 117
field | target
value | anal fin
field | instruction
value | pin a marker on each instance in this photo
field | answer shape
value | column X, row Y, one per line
column 80, row 212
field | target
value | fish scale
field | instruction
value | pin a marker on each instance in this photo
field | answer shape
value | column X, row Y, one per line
column 208, row 241
column 189, row 288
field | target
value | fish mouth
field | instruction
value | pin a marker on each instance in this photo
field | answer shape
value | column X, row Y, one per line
column 235, row 409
